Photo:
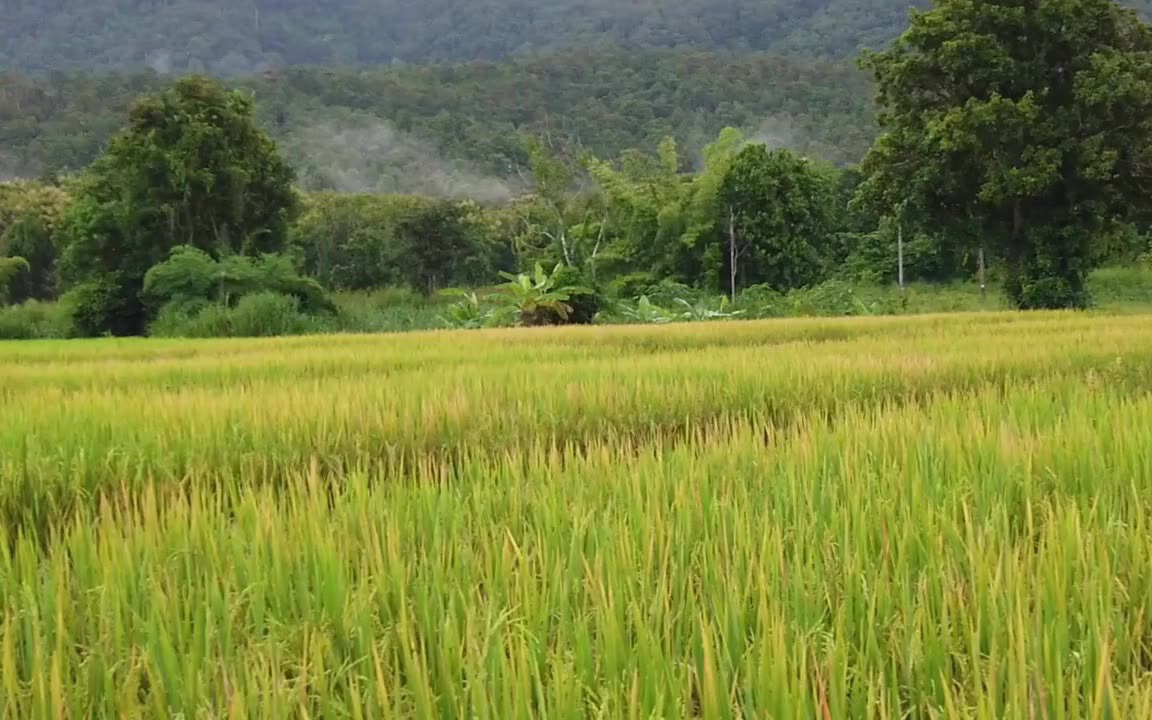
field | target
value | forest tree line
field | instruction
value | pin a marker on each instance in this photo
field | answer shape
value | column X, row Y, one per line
column 627, row 223
column 1036, row 168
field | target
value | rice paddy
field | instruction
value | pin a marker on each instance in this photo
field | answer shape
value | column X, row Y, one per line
column 930, row 517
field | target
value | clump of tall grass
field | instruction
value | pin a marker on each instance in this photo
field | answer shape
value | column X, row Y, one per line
column 388, row 310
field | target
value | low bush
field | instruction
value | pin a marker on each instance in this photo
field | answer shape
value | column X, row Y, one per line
column 762, row 301
column 104, row 305
column 632, row 285
column 35, row 320
column 668, row 292
column 263, row 314
column 830, row 298
column 190, row 276
column 584, row 305
column 1038, row 289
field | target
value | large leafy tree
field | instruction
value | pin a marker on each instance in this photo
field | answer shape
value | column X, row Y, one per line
column 10, row 269
column 707, row 213
column 1023, row 124
column 443, row 244
column 191, row 168
column 643, row 200
column 357, row 242
column 780, row 219
column 665, row 224
column 30, row 218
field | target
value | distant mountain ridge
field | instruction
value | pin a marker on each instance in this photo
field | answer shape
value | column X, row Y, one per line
column 354, row 89
column 231, row 37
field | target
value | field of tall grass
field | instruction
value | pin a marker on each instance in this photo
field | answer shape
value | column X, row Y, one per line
column 884, row 517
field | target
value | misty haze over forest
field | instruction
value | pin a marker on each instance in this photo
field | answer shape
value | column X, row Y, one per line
column 456, row 129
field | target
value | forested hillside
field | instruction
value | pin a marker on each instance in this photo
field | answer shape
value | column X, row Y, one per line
column 447, row 129
column 233, row 37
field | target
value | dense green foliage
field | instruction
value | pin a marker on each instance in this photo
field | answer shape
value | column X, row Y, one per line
column 30, row 228
column 450, row 130
column 190, row 278
column 10, row 269
column 1015, row 135
column 781, row 212
column 359, row 242
column 261, row 314
column 1025, row 126
column 191, row 168
column 750, row 216
column 35, row 320
column 393, row 310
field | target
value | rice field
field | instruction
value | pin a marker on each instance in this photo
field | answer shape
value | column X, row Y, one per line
column 931, row 517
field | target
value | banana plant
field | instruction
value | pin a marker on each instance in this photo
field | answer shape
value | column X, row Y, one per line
column 646, row 312
column 537, row 299
column 469, row 312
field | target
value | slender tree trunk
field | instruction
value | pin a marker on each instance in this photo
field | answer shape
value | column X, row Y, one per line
column 733, row 256
column 983, row 275
column 900, row 252
column 564, row 246
column 596, row 249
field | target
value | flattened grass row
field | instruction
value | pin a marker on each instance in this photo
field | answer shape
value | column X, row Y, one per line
column 945, row 517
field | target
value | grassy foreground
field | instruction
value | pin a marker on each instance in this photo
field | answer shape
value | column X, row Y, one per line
column 930, row 517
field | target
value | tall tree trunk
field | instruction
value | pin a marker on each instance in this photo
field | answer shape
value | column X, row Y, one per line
column 983, row 275
column 596, row 249
column 733, row 256
column 564, row 247
column 900, row 251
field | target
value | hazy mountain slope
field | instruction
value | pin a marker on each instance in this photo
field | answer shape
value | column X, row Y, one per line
column 233, row 37
column 241, row 36
column 379, row 129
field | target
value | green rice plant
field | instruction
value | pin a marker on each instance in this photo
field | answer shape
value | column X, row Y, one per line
column 87, row 417
column 928, row 517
